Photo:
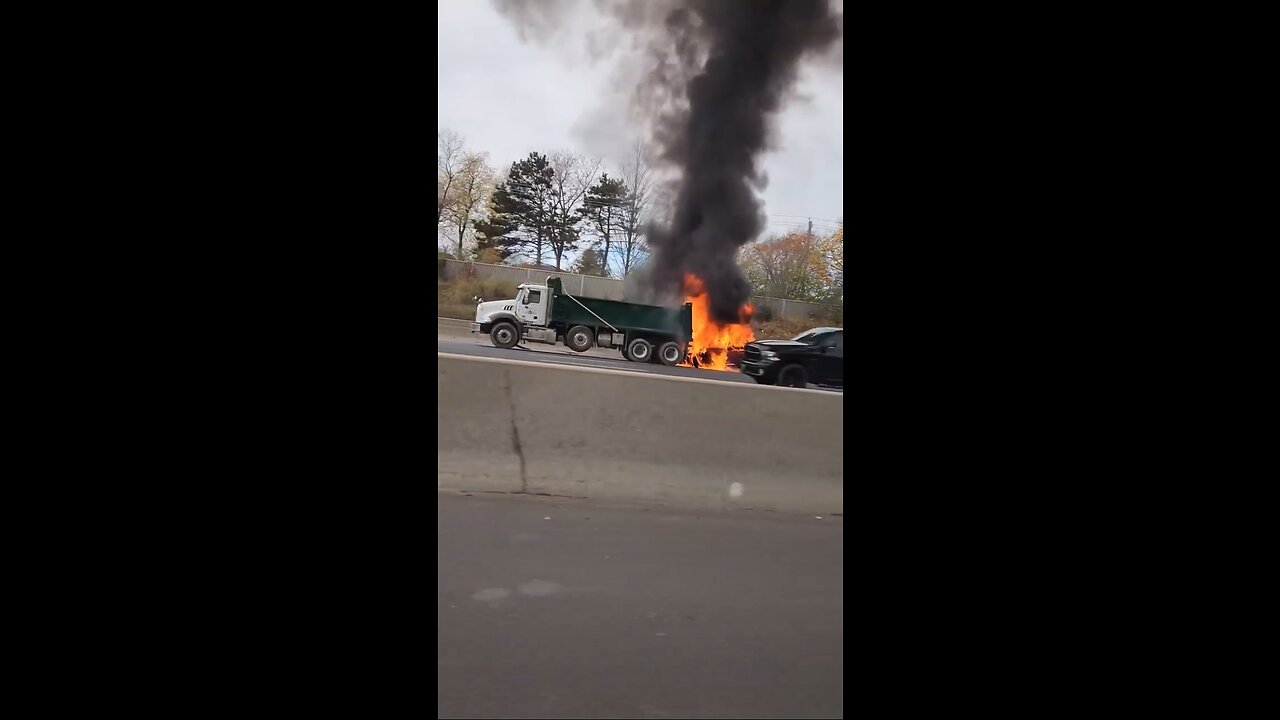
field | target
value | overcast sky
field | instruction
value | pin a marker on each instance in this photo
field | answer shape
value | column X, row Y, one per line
column 509, row 97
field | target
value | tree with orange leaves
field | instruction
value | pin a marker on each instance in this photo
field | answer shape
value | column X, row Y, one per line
column 795, row 266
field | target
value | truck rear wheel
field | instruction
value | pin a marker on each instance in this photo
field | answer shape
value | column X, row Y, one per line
column 504, row 335
column 578, row 338
column 639, row 350
column 670, row 353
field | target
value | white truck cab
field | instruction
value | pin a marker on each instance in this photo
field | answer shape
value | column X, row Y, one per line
column 529, row 308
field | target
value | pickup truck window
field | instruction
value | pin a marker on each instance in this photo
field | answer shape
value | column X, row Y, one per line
column 836, row 341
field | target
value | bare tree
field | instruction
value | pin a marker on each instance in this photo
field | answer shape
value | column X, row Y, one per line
column 472, row 185
column 638, row 176
column 449, row 157
column 572, row 177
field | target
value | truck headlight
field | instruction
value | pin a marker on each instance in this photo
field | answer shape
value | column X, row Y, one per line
column 769, row 355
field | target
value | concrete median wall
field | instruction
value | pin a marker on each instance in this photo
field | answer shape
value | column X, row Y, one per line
column 516, row 426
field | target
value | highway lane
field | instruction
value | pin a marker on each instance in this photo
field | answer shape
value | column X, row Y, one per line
column 552, row 608
column 480, row 346
column 451, row 341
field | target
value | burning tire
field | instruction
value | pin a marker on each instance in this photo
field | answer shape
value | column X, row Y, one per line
column 578, row 338
column 504, row 335
column 792, row 376
column 670, row 353
column 639, row 350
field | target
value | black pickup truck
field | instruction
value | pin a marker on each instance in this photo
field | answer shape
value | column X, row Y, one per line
column 814, row 356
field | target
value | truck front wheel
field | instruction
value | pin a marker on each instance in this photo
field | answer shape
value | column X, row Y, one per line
column 639, row 350
column 578, row 338
column 792, row 376
column 504, row 335
column 670, row 353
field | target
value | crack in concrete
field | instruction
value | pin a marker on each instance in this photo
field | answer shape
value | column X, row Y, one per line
column 515, row 432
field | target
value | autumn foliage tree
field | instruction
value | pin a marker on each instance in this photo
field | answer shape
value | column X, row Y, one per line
column 793, row 266
column 834, row 255
column 472, row 187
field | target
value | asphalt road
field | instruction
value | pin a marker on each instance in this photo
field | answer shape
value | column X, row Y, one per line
column 568, row 608
column 480, row 346
column 559, row 354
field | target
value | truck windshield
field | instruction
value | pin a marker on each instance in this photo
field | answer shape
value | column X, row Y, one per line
column 809, row 337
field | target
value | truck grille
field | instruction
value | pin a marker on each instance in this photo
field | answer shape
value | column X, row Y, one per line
column 751, row 354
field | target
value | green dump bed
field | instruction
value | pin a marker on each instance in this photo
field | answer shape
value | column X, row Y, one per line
column 625, row 316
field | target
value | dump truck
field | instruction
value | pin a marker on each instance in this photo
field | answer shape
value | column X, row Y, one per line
column 546, row 314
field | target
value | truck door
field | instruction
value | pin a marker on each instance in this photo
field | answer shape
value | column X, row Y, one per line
column 532, row 309
column 831, row 362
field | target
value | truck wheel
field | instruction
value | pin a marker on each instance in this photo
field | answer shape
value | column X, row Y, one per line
column 639, row 350
column 504, row 335
column 578, row 338
column 669, row 353
column 792, row 376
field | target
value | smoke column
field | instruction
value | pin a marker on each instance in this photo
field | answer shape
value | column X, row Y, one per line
column 729, row 66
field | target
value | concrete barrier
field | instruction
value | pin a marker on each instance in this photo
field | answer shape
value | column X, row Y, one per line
column 517, row 426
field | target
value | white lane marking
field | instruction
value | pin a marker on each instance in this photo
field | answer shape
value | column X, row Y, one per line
column 540, row 588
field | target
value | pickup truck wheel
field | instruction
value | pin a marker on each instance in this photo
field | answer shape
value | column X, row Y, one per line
column 792, row 376
column 639, row 350
column 578, row 338
column 504, row 335
column 669, row 353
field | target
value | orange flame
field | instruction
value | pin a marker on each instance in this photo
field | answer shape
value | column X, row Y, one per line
column 713, row 342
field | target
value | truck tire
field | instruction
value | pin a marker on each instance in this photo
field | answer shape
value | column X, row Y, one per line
column 670, row 353
column 792, row 376
column 639, row 350
column 504, row 335
column 578, row 339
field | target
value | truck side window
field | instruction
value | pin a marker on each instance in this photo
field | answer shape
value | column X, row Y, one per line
column 533, row 297
column 836, row 341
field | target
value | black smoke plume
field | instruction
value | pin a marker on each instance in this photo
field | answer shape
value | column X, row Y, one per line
column 729, row 66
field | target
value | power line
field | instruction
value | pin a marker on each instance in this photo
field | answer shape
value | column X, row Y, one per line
column 803, row 217
column 804, row 222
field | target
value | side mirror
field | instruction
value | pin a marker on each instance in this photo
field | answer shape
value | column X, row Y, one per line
column 477, row 298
